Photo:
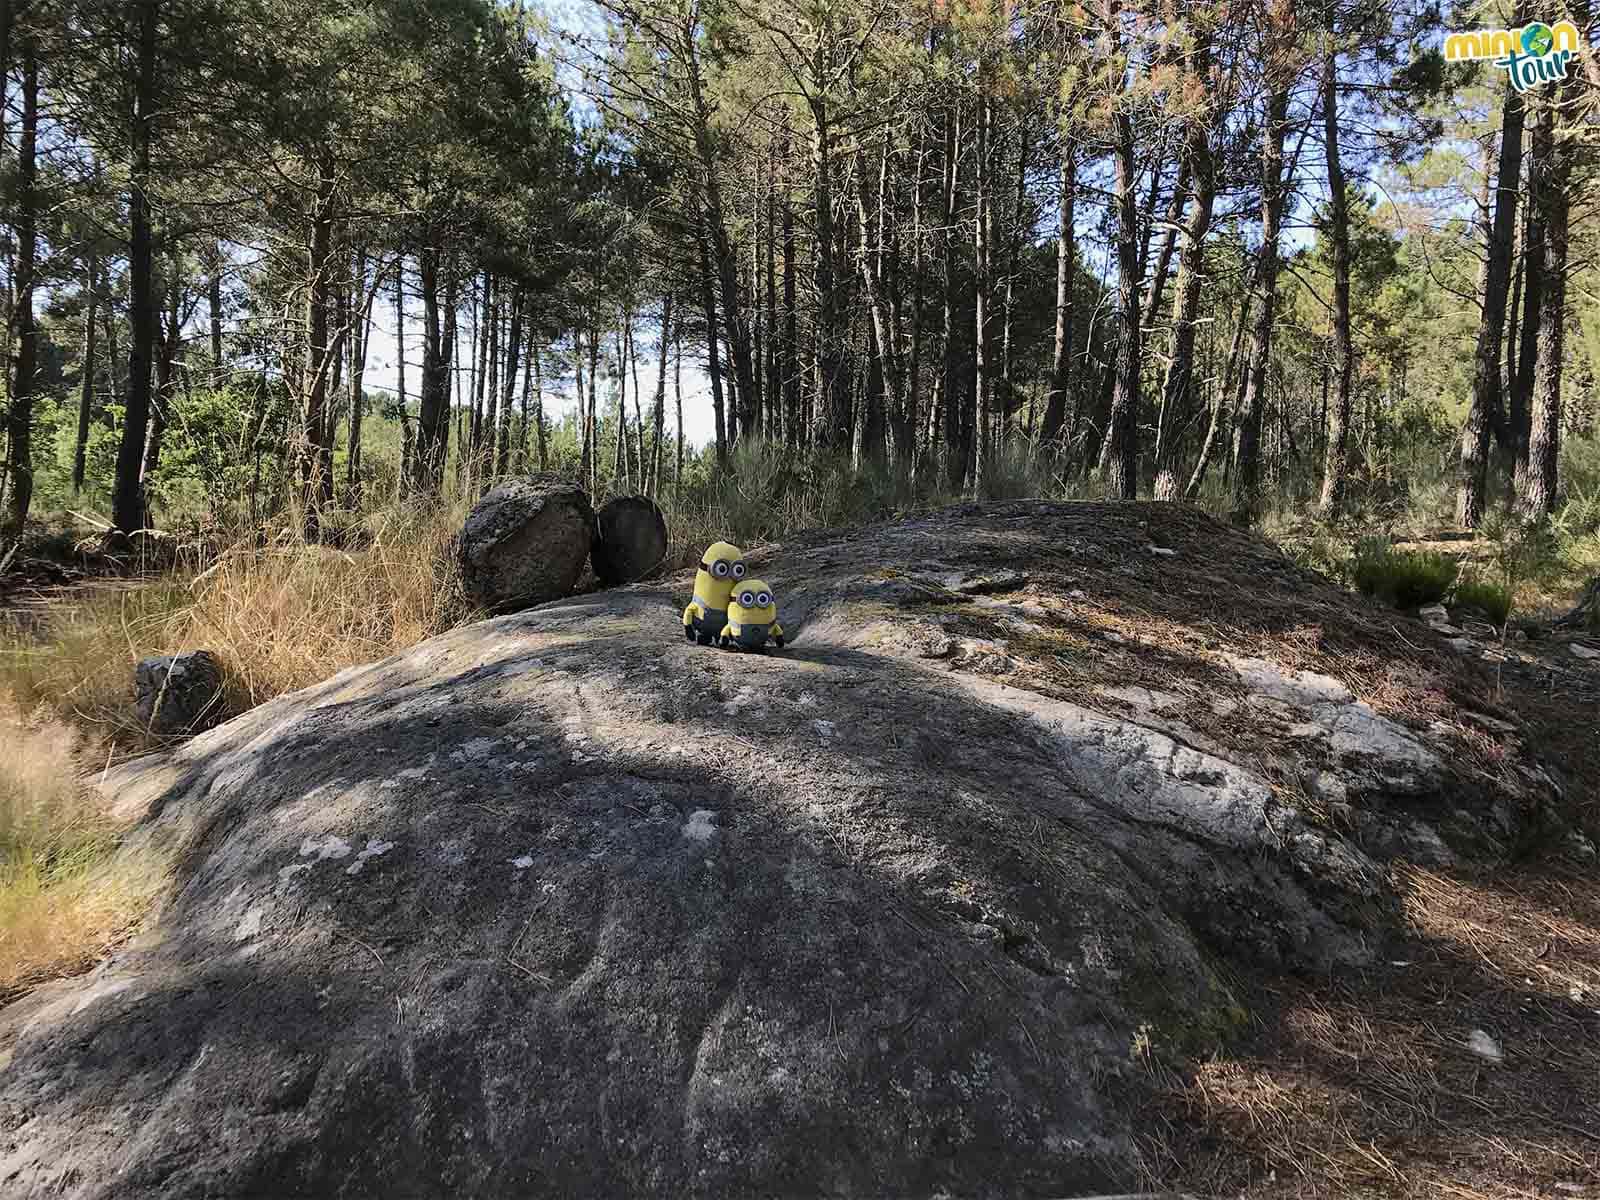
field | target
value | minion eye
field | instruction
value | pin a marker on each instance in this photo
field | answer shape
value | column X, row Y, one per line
column 764, row 598
column 721, row 570
column 738, row 570
column 747, row 599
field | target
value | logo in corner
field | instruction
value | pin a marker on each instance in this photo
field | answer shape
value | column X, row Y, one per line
column 1535, row 54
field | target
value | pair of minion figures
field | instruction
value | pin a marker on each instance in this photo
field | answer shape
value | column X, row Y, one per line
column 729, row 610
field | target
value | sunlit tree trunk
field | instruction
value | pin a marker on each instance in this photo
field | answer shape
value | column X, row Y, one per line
column 1055, row 409
column 713, row 363
column 1246, row 464
column 86, row 383
column 1544, row 436
column 1533, row 287
column 980, row 290
column 1119, row 454
column 1472, row 472
column 1336, row 463
column 660, row 406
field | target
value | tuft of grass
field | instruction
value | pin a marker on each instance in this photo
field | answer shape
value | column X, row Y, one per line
column 1493, row 600
column 1403, row 578
column 68, row 892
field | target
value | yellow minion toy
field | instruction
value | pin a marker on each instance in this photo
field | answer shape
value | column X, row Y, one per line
column 752, row 618
column 721, row 570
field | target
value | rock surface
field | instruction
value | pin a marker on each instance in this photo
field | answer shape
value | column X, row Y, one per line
column 630, row 540
column 557, row 905
column 524, row 543
column 179, row 693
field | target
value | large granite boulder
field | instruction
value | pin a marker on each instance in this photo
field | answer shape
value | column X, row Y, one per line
column 524, row 543
column 557, row 905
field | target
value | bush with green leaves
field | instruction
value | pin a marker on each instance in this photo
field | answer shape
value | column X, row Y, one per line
column 1493, row 600
column 1404, row 578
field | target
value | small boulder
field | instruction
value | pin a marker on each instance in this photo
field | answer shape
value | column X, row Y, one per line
column 525, row 543
column 630, row 540
column 179, row 693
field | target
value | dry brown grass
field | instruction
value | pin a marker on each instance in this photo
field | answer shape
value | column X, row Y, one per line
column 280, row 617
column 285, row 618
column 1364, row 1086
column 67, row 892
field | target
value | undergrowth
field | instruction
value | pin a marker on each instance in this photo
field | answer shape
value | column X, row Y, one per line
column 279, row 613
column 67, row 890
column 1403, row 578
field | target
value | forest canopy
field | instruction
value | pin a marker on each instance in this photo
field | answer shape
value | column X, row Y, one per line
column 266, row 256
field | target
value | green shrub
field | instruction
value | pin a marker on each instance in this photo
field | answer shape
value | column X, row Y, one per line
column 1403, row 578
column 1493, row 600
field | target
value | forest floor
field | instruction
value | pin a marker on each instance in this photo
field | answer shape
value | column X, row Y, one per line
column 1370, row 1084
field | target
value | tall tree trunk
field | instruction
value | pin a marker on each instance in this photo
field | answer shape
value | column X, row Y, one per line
column 1508, row 353
column 758, row 374
column 164, row 397
column 1179, row 383
column 1169, row 238
column 1119, row 453
column 677, row 391
column 538, row 407
column 433, row 414
column 660, row 407
column 636, row 442
column 24, row 324
column 1055, row 409
column 1246, row 463
column 525, row 413
column 400, row 330
column 1533, row 288
column 1013, row 255
column 730, row 391
column 794, row 424
column 1472, row 473
column 502, row 462
column 593, row 436
column 219, row 374
column 1336, row 463
column 586, row 448
column 1222, row 392
column 833, row 398
column 956, row 446
column 317, row 450
column 883, row 332
column 910, row 420
column 342, row 306
column 776, row 409
column 485, row 419
column 127, row 506
column 7, row 19
column 708, row 302
column 86, row 384
column 723, row 257
column 1544, row 437
column 980, row 290
column 619, row 448
column 480, row 377
column 360, row 340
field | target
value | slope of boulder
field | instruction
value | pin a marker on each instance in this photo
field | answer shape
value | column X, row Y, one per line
column 556, row 904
